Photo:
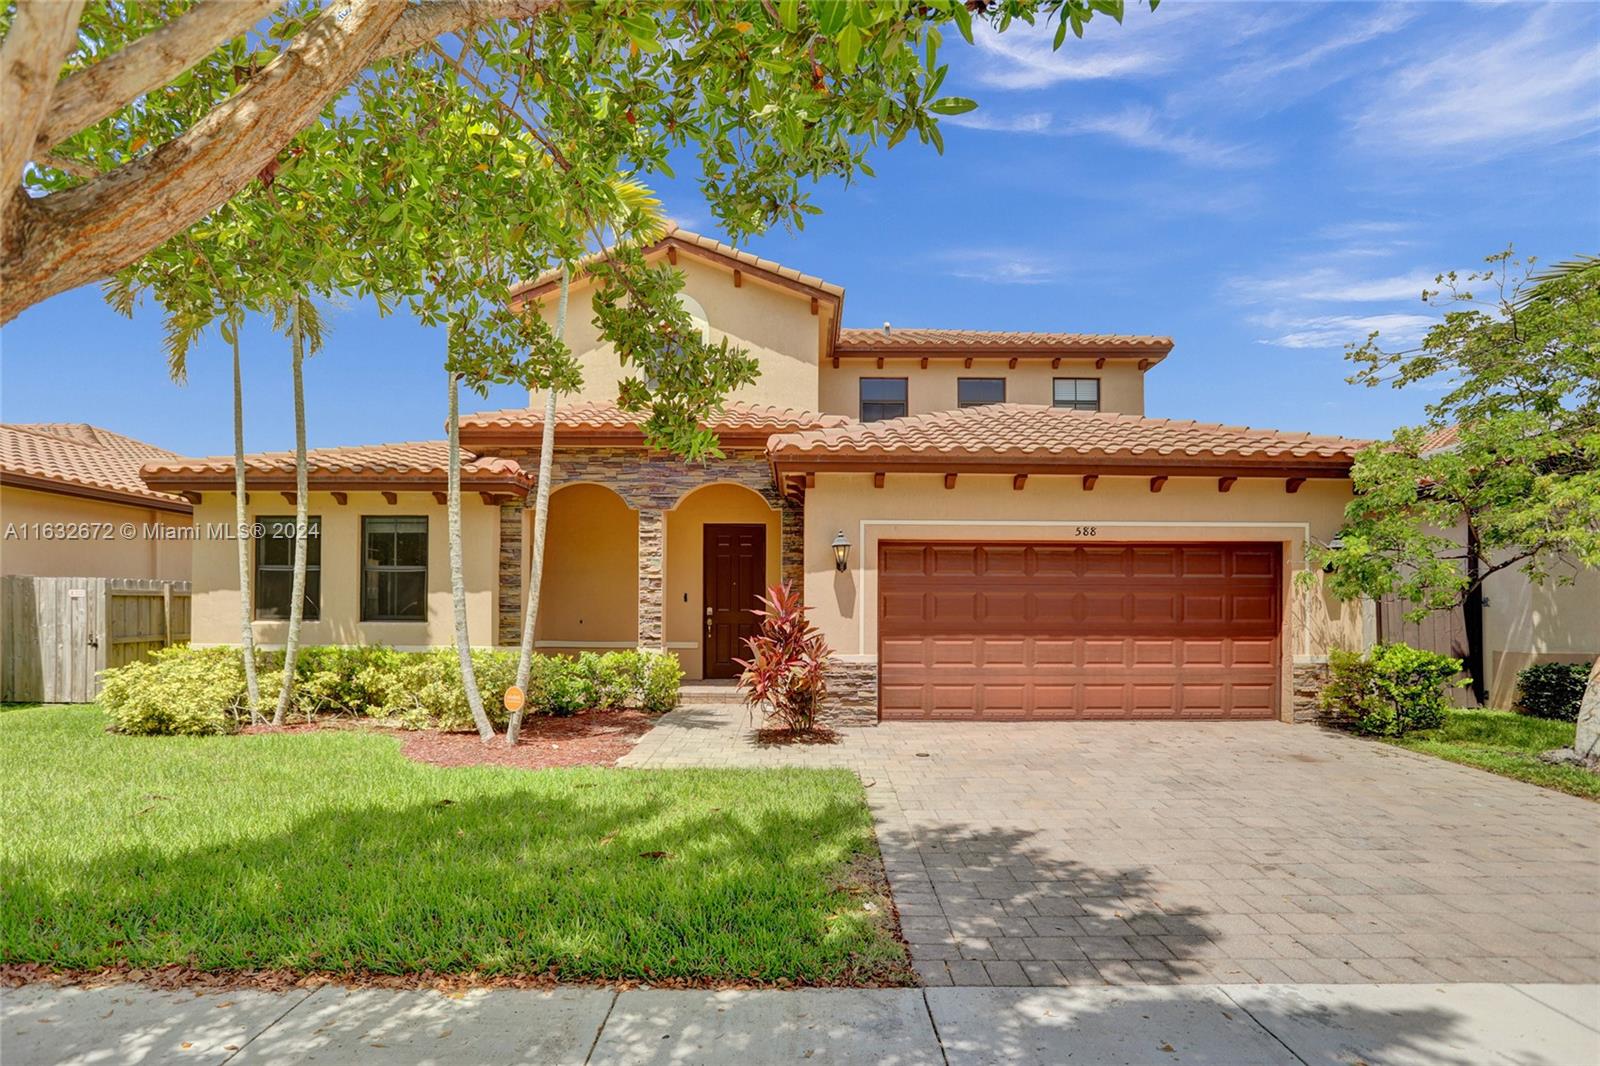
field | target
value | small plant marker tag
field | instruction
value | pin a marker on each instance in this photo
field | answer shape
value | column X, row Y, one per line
column 514, row 699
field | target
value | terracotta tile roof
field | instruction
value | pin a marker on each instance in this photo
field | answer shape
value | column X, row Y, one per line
column 1039, row 435
column 676, row 234
column 592, row 419
column 1000, row 342
column 418, row 463
column 80, row 459
column 1441, row 439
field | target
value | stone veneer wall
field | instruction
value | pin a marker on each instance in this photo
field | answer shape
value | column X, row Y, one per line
column 852, row 692
column 651, row 483
column 508, row 628
column 1309, row 679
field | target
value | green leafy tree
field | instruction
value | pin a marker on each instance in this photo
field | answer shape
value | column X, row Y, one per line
column 129, row 123
column 1517, row 357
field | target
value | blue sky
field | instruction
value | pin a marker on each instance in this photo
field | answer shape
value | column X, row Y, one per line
column 1261, row 182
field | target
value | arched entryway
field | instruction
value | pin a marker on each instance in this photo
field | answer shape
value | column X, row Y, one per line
column 589, row 600
column 722, row 551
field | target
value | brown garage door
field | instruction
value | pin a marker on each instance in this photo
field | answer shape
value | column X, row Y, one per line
column 1046, row 631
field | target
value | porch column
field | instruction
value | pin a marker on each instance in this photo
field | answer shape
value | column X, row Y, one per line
column 652, row 577
column 508, row 628
column 792, row 544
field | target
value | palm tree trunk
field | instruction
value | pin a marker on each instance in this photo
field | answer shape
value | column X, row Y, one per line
column 291, row 646
column 458, row 581
column 541, row 518
column 247, row 637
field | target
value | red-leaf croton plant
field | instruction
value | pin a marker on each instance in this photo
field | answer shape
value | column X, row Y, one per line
column 788, row 658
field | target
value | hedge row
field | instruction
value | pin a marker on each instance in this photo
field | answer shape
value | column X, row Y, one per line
column 198, row 691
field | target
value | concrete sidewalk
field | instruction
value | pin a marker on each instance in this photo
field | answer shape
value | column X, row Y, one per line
column 1451, row 1024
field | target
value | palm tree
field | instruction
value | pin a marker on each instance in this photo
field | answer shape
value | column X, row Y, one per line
column 305, row 327
column 183, row 328
column 458, row 583
column 637, row 204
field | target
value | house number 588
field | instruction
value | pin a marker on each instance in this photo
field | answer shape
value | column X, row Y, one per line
column 1086, row 531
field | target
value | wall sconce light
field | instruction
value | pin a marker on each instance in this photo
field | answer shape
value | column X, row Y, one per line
column 841, row 551
column 1333, row 545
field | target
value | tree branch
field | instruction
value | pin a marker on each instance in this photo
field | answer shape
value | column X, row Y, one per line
column 101, row 90
column 424, row 22
column 57, row 242
column 41, row 37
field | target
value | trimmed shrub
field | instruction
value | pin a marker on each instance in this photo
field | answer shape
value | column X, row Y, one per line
column 662, row 674
column 179, row 691
column 1552, row 690
column 1395, row 689
column 201, row 690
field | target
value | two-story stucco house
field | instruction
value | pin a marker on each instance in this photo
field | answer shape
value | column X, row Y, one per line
column 986, row 525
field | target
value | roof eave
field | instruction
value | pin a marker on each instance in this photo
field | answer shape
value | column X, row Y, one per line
column 93, row 492
column 198, row 481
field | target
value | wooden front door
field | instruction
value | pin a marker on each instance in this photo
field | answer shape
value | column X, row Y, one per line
column 735, row 578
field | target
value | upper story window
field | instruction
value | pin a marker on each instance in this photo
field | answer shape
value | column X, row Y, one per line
column 275, row 568
column 1080, row 394
column 394, row 569
column 882, row 398
column 974, row 392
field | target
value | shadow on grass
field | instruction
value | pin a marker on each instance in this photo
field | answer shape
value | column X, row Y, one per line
column 657, row 876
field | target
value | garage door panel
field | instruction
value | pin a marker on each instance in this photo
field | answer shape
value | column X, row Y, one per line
column 1004, row 562
column 1008, row 631
column 1155, row 562
column 953, row 561
column 1002, row 607
column 1160, row 608
column 1002, row 653
column 1104, row 562
column 1056, row 561
column 899, row 559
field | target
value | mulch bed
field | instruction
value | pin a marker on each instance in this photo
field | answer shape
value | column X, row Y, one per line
column 778, row 738
column 588, row 738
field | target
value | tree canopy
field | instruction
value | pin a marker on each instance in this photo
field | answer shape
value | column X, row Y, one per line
column 129, row 123
column 1516, row 360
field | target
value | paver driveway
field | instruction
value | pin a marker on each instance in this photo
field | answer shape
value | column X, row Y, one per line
column 1098, row 852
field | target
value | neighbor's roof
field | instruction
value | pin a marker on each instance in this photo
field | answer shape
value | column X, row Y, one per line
column 597, row 422
column 976, row 342
column 704, row 247
column 1016, row 436
column 413, row 464
column 1440, row 440
column 78, row 459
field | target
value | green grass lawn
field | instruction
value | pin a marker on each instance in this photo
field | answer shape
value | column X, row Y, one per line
column 329, row 851
column 1507, row 744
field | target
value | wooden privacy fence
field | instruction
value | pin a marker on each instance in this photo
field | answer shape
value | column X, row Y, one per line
column 58, row 633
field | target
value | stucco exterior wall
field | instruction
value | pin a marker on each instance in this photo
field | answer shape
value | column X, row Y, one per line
column 775, row 324
column 216, row 572
column 934, row 389
column 143, row 555
column 589, row 599
column 1525, row 623
column 918, row 507
column 685, row 587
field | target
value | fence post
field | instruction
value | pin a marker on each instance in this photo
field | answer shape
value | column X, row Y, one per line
column 166, row 614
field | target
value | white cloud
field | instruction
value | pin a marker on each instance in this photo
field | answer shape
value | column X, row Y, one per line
column 1137, row 127
column 1141, row 128
column 1026, row 122
column 1001, row 266
column 1335, row 331
column 1327, row 285
column 1494, row 92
